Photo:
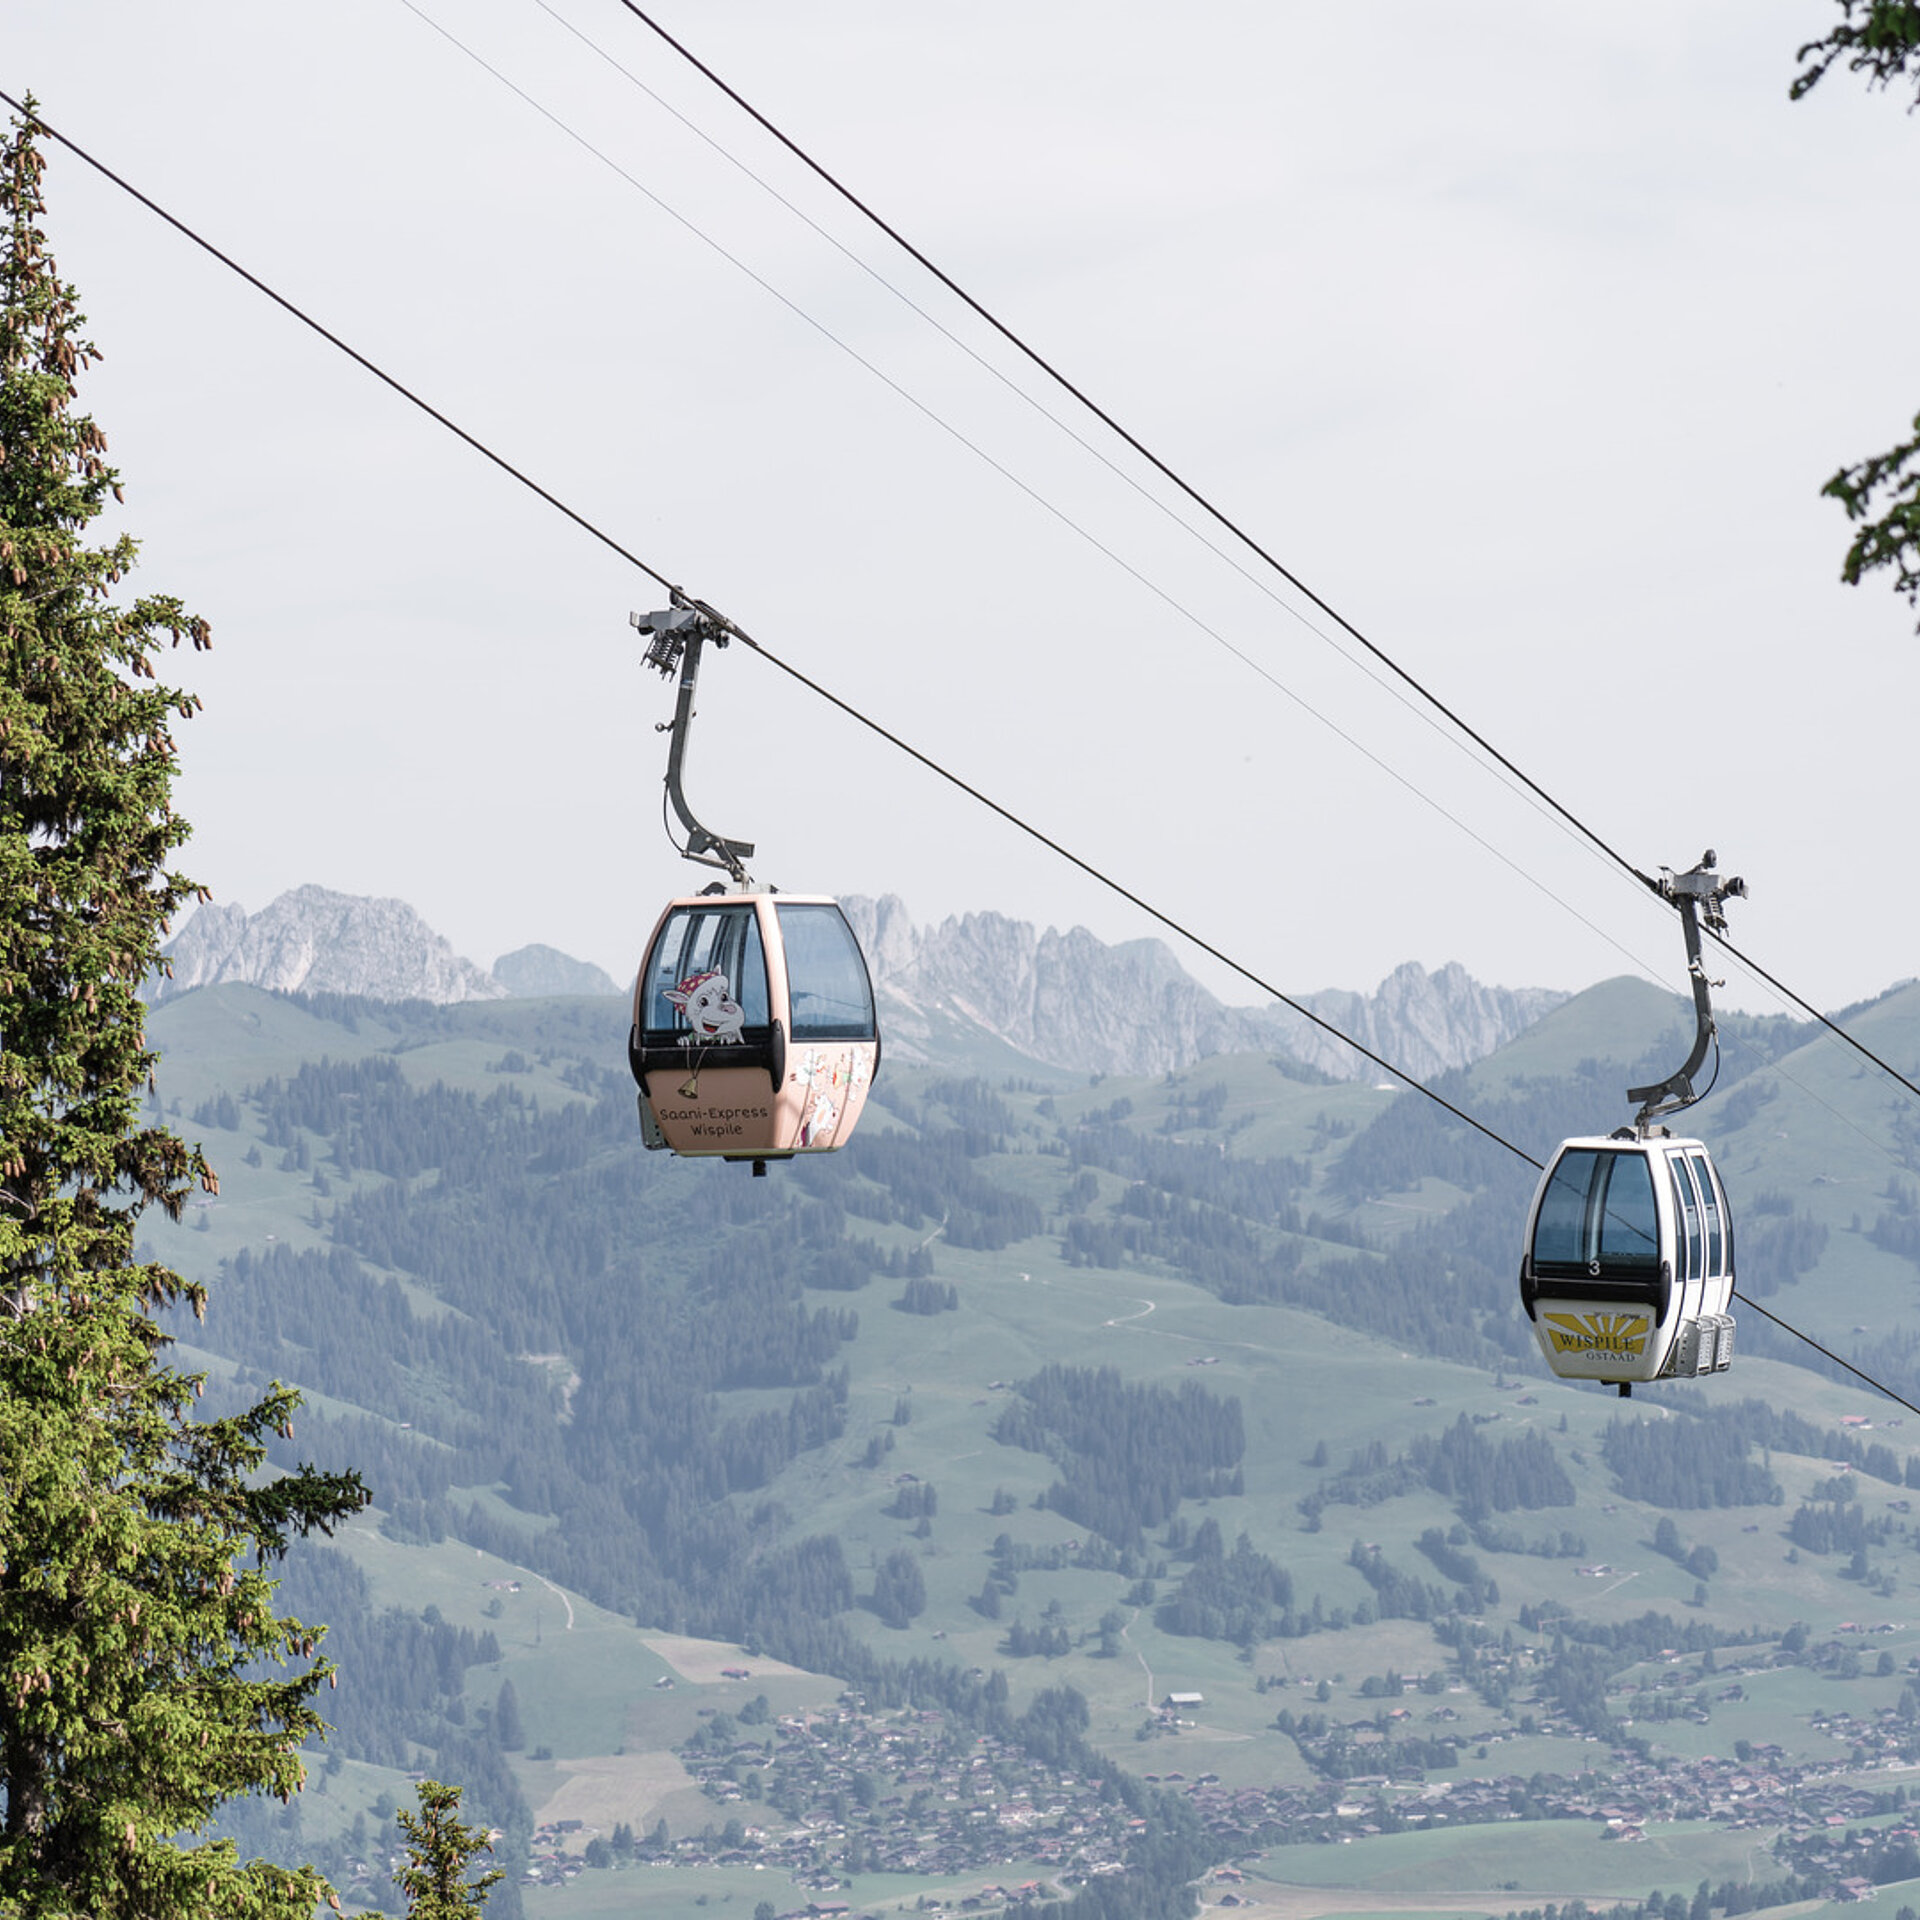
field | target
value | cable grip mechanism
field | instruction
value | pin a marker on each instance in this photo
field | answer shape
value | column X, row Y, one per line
column 1701, row 895
column 675, row 637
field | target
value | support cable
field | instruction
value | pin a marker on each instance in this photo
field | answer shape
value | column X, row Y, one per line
column 306, row 319
column 1222, row 519
column 1787, row 1326
column 1164, row 595
column 1167, row 598
column 1106, row 419
column 587, row 526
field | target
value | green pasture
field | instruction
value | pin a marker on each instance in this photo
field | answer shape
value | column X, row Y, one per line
column 1779, row 1708
column 702, row 1893
column 1534, row 1854
column 1593, row 1025
column 1487, row 1912
column 588, row 1691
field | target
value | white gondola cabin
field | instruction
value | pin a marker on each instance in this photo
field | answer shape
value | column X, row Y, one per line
column 1628, row 1269
column 753, row 1033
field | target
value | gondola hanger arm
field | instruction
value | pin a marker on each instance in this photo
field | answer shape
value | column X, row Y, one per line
column 675, row 637
column 1700, row 894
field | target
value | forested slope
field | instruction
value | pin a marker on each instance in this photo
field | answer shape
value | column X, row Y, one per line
column 922, row 1411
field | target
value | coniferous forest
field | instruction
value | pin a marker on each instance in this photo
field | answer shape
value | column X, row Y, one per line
column 641, row 1380
column 1090, row 1495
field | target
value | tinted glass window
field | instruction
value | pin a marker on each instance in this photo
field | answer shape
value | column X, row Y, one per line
column 1690, row 1221
column 1683, row 1269
column 1560, row 1231
column 832, row 998
column 1629, row 1222
column 1598, row 1217
column 707, row 971
column 1710, row 1207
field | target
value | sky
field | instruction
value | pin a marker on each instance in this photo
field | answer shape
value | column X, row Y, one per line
column 1524, row 335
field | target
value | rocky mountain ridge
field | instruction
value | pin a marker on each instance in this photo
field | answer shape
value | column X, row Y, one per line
column 314, row 940
column 1072, row 1001
column 1067, row 1000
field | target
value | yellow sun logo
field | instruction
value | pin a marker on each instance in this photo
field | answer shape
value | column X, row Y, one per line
column 1622, row 1333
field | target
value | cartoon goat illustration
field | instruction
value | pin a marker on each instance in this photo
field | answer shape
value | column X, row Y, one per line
column 819, row 1121
column 713, row 1014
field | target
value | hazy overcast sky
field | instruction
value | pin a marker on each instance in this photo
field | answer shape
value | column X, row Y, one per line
column 1524, row 333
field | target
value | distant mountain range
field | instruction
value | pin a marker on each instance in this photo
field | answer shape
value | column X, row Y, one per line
column 1063, row 1000
column 960, row 1422
column 1071, row 1001
column 1058, row 999
column 313, row 940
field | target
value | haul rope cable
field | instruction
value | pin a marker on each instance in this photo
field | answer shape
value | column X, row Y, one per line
column 1167, row 597
column 562, row 125
column 555, row 120
column 1163, row 594
column 33, row 116
column 1131, row 481
column 1233, row 527
column 1531, row 787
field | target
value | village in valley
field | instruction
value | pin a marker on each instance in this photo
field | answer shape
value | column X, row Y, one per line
column 912, row 1791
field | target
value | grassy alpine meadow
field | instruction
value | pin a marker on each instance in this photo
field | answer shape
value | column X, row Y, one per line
column 733, row 1893
column 1056, row 1242
column 1517, row 1855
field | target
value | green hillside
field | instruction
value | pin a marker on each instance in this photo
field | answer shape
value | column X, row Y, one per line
column 1181, row 1435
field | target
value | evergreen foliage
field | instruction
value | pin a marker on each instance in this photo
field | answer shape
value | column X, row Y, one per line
column 144, row 1674
column 1701, row 1463
column 507, row 1729
column 523, row 1219
column 1774, row 1252
column 930, row 1179
column 440, row 1848
column 1483, row 1477
column 1477, row 1592
column 1879, row 39
column 1225, row 1224
column 1242, row 1596
column 929, row 1297
column 1478, row 1475
column 899, row 1589
column 1128, row 1454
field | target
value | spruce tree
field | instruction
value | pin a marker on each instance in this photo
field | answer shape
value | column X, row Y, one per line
column 144, row 1675
column 439, row 1846
column 508, row 1734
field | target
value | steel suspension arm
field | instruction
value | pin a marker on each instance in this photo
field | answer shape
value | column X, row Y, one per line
column 1698, row 890
column 678, row 634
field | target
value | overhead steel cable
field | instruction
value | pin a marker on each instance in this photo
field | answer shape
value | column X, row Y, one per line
column 1106, row 419
column 1167, row 598
column 1787, row 1326
column 1252, row 574
column 1246, row 973
column 1226, row 522
column 738, row 633
column 306, row 319
column 1125, row 893
column 1164, row 595
column 1832, row 1026
column 580, row 520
